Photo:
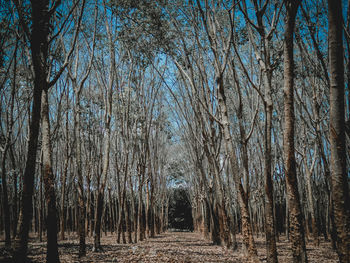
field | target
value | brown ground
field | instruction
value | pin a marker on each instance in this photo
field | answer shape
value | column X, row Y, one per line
column 170, row 247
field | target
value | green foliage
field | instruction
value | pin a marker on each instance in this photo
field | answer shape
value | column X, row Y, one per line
column 143, row 28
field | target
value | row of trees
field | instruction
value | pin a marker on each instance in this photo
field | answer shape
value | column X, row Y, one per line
column 106, row 105
column 97, row 128
column 229, row 75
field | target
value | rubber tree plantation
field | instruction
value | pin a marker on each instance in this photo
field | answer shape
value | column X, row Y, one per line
column 174, row 131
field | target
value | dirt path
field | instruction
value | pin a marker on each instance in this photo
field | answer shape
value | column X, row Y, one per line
column 171, row 247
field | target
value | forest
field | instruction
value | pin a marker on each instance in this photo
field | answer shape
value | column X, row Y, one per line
column 175, row 131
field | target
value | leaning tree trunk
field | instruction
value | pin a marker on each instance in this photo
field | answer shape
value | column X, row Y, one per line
column 297, row 234
column 340, row 186
column 52, row 255
column 248, row 238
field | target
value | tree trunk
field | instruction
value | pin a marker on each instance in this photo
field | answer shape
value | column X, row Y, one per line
column 97, row 226
column 140, row 226
column 127, row 221
column 49, row 183
column 63, row 198
column 248, row 238
column 295, row 213
column 88, row 208
column 214, row 224
column 270, row 229
column 5, row 202
column 14, row 207
column 8, row 147
column 39, row 49
column 310, row 200
column 81, row 190
column 41, row 208
column 339, row 174
column 106, row 140
column 151, row 208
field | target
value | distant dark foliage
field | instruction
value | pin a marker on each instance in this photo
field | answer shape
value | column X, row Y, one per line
column 180, row 211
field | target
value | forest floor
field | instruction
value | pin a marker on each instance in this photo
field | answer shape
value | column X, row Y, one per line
column 172, row 247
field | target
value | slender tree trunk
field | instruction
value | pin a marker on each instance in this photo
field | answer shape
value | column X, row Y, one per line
column 39, row 50
column 311, row 204
column 270, row 229
column 107, row 137
column 296, row 222
column 81, row 190
column 214, row 224
column 41, row 208
column 339, row 173
column 127, row 221
column 52, row 255
column 14, row 208
column 88, row 207
column 5, row 202
column 63, row 199
column 64, row 178
column 248, row 238
column 328, row 184
column 151, row 208
column 133, row 209
column 139, row 213
column 98, row 216
column 100, row 195
column 8, row 148
column 110, row 211
column 147, row 210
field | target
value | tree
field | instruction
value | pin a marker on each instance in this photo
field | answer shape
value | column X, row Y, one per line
column 6, row 149
column 296, row 220
column 49, row 181
column 107, row 136
column 265, row 58
column 38, row 37
column 158, row 94
column 77, row 84
column 339, row 174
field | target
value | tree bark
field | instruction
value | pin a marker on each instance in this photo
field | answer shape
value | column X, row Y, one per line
column 81, row 198
column 39, row 51
column 107, row 137
column 140, row 226
column 52, row 255
column 339, row 174
column 297, row 234
column 8, row 148
column 270, row 229
column 5, row 202
column 97, row 225
column 248, row 238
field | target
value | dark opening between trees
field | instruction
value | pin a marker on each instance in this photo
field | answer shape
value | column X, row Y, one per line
column 180, row 210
